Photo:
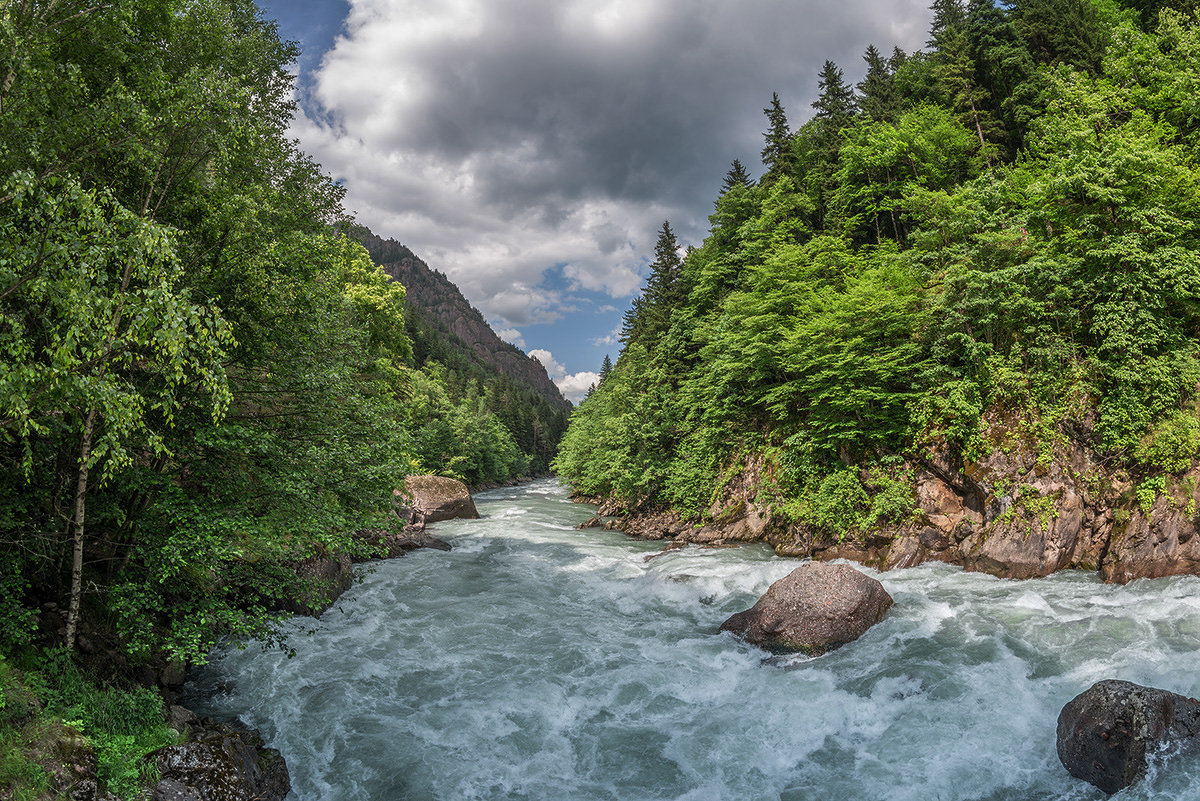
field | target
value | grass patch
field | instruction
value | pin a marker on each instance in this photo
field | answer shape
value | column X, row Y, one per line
column 52, row 708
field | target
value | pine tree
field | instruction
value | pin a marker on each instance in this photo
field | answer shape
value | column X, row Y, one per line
column 633, row 322
column 1062, row 31
column 877, row 98
column 949, row 18
column 737, row 176
column 777, row 153
column 649, row 316
column 835, row 106
column 605, row 368
column 954, row 69
column 663, row 287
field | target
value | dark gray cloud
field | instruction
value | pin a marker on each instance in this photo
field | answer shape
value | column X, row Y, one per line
column 501, row 138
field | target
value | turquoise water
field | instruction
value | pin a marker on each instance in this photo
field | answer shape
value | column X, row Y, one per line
column 537, row 662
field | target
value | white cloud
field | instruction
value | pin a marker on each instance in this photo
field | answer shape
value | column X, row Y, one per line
column 512, row 336
column 611, row 338
column 574, row 386
column 502, row 139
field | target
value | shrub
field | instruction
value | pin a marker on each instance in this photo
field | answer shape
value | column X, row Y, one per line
column 1171, row 443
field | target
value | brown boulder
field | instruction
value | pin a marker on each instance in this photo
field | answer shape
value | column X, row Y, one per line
column 1105, row 733
column 385, row 544
column 815, row 608
column 438, row 498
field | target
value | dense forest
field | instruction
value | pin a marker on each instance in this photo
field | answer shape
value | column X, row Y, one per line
column 994, row 237
column 203, row 376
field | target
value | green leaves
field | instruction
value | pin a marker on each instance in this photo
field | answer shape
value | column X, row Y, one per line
column 890, row 285
column 96, row 319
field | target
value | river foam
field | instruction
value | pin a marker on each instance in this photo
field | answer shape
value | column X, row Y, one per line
column 539, row 662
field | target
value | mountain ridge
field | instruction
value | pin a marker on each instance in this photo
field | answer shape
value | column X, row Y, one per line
column 436, row 299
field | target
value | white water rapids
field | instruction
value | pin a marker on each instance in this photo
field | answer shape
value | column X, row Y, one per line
column 541, row 663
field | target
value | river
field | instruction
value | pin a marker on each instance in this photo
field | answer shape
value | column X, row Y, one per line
column 542, row 663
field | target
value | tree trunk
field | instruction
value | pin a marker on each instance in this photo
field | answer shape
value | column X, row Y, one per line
column 85, row 452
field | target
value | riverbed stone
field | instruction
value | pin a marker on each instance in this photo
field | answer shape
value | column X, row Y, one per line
column 815, row 608
column 1106, row 733
column 437, row 498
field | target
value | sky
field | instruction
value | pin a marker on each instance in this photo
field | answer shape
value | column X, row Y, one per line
column 531, row 149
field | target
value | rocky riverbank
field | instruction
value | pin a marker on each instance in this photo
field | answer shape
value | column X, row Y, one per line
column 1021, row 511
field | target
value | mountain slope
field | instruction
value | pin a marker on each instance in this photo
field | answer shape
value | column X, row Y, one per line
column 438, row 303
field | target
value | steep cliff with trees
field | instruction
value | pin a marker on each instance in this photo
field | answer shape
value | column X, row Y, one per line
column 961, row 304
column 445, row 328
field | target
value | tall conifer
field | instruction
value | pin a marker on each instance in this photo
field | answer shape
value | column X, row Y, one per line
column 777, row 154
column 877, row 98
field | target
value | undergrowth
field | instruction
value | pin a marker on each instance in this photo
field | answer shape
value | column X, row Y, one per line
column 46, row 700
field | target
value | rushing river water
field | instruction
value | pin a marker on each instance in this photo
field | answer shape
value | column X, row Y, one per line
column 539, row 662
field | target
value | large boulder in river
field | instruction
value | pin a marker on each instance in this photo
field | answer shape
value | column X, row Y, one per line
column 1106, row 733
column 815, row 608
column 437, row 498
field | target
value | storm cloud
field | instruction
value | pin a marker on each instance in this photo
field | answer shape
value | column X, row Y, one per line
column 532, row 148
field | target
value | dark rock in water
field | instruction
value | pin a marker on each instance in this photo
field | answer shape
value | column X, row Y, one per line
column 227, row 763
column 390, row 545
column 438, row 498
column 1106, row 733
column 815, row 608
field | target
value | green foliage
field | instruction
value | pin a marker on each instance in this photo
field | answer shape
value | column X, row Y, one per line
column 120, row 725
column 1004, row 244
column 178, row 303
column 893, row 500
column 1171, row 444
column 1148, row 492
column 839, row 504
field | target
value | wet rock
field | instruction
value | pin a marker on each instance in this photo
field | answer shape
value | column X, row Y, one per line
column 391, row 545
column 171, row 790
column 815, row 608
column 1106, row 733
column 180, row 718
column 227, row 763
column 438, row 498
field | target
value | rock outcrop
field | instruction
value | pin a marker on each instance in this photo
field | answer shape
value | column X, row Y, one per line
column 385, row 544
column 325, row 578
column 1106, row 733
column 228, row 762
column 1025, row 509
column 436, row 498
column 815, row 608
column 434, row 297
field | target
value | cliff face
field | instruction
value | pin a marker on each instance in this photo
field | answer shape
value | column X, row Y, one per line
column 1017, row 512
column 432, row 296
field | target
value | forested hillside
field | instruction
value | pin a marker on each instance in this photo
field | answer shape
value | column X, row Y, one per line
column 989, row 246
column 445, row 328
column 203, row 376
